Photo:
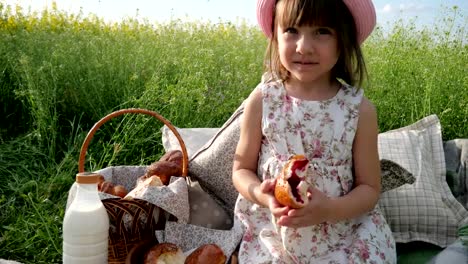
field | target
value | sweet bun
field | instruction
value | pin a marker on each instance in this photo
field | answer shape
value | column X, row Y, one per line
column 164, row 253
column 291, row 187
column 207, row 254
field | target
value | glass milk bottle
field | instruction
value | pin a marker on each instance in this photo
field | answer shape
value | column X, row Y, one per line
column 86, row 224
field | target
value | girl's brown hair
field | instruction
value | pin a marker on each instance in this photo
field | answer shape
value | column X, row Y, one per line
column 350, row 67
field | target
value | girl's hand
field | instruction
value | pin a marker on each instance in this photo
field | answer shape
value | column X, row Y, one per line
column 314, row 213
column 268, row 187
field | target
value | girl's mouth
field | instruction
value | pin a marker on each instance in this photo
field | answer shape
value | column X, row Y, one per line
column 305, row 62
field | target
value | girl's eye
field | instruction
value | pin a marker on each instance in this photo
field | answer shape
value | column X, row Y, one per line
column 290, row 30
column 323, row 31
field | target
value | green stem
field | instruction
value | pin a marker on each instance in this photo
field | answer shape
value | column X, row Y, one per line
column 43, row 221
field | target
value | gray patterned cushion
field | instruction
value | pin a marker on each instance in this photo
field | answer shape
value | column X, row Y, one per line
column 211, row 165
column 425, row 210
column 194, row 138
column 205, row 211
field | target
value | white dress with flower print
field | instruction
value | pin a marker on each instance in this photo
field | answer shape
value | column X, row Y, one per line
column 324, row 131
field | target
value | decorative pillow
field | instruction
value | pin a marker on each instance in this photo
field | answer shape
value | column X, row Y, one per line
column 393, row 175
column 205, row 211
column 194, row 138
column 212, row 164
column 425, row 210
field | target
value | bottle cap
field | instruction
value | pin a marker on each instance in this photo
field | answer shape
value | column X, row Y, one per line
column 87, row 177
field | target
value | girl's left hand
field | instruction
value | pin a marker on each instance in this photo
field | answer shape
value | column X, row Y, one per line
column 314, row 213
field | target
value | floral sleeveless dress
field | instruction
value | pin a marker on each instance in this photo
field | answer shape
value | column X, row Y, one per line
column 324, row 132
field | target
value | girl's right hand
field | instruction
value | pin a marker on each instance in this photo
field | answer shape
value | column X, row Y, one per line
column 267, row 187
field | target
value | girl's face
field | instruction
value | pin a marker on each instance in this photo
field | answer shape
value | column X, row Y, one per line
column 308, row 52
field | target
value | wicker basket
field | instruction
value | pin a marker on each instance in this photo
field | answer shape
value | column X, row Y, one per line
column 122, row 238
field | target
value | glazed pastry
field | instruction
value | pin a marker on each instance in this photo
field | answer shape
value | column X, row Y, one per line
column 291, row 187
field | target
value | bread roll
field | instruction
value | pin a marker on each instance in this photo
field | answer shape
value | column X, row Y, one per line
column 106, row 187
column 164, row 170
column 207, row 254
column 143, row 185
column 101, row 180
column 164, row 253
column 120, row 190
column 153, row 181
column 291, row 187
column 173, row 156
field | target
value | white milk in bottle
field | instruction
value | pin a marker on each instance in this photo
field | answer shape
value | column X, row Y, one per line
column 86, row 224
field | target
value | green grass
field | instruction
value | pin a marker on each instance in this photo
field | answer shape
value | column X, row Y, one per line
column 60, row 73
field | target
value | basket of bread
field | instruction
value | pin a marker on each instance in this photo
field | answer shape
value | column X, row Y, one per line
column 141, row 200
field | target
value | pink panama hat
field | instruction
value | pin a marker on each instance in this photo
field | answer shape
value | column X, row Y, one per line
column 363, row 12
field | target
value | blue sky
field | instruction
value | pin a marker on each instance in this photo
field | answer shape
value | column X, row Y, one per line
column 388, row 11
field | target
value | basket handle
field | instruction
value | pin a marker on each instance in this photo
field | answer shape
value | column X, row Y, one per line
column 96, row 126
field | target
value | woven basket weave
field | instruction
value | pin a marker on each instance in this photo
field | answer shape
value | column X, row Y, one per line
column 142, row 214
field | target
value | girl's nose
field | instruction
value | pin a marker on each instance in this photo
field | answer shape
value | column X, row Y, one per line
column 304, row 44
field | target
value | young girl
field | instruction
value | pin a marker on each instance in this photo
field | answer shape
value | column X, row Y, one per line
column 307, row 104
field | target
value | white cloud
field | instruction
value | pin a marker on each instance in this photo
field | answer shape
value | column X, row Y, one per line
column 387, row 8
column 411, row 7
